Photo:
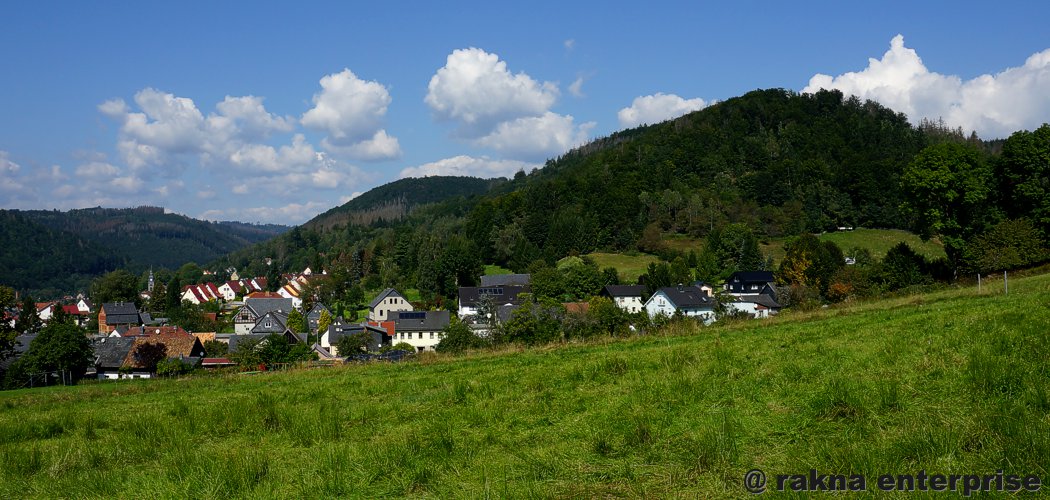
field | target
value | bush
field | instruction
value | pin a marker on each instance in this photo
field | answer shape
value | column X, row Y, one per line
column 173, row 367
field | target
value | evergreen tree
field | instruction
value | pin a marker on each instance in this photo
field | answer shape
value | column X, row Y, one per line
column 28, row 321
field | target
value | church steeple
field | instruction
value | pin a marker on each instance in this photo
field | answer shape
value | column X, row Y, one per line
column 149, row 286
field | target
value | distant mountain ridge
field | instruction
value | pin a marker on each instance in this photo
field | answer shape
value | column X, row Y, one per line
column 48, row 251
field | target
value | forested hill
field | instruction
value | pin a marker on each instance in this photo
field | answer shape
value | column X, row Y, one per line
column 393, row 201
column 50, row 252
column 778, row 161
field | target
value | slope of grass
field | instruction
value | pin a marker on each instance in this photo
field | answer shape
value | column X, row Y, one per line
column 629, row 267
column 949, row 382
column 877, row 241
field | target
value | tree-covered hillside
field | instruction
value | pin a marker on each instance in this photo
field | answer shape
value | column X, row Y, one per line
column 769, row 164
column 49, row 252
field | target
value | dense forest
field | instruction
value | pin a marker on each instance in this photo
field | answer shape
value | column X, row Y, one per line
column 51, row 253
column 770, row 163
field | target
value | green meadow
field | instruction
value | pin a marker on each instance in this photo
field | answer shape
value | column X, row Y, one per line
column 951, row 382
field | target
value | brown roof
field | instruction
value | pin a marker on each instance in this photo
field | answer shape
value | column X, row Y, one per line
column 204, row 336
column 153, row 331
column 178, row 345
column 577, row 307
column 264, row 295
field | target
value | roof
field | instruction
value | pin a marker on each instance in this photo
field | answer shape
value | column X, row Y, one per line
column 336, row 332
column 235, row 286
column 152, row 331
column 419, row 321
column 624, row 290
column 178, row 345
column 277, row 325
column 264, row 295
column 40, row 306
column 121, row 313
column 261, row 306
column 316, row 310
column 577, row 307
column 751, row 277
column 389, row 292
column 74, row 310
column 204, row 336
column 687, row 297
column 471, row 296
column 505, row 279
column 110, row 352
column 21, row 345
column 760, row 299
column 237, row 339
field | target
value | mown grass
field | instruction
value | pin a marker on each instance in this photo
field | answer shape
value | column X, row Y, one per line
column 949, row 382
column 628, row 267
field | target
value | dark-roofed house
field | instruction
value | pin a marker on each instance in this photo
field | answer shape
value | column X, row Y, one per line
column 420, row 329
column 377, row 337
column 114, row 314
column 688, row 301
column 110, row 353
column 506, row 279
column 758, row 305
column 254, row 308
column 472, row 298
column 21, row 345
column 626, row 297
column 270, row 323
column 751, row 283
column 386, row 302
column 314, row 316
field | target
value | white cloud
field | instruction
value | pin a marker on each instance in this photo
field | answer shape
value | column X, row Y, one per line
column 380, row 147
column 469, row 166
column 97, row 169
column 351, row 111
column 569, row 44
column 657, row 108
column 126, row 184
column 476, row 89
column 993, row 105
column 245, row 118
column 291, row 213
column 536, row 137
column 576, row 87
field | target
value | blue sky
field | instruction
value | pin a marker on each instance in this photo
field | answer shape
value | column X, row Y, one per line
column 274, row 112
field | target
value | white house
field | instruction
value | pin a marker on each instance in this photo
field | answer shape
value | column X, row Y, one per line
column 423, row 330
column 472, row 298
column 688, row 301
column 230, row 290
column 385, row 303
column 757, row 306
column 626, row 297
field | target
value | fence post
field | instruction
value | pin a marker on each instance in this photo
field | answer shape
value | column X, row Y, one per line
column 978, row 282
column 1006, row 284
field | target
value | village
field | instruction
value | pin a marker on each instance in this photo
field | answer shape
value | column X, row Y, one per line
column 393, row 328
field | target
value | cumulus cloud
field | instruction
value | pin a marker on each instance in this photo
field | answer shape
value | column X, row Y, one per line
column 993, row 105
column 97, row 169
column 496, row 109
column 469, row 166
column 536, row 137
column 656, row 108
column 476, row 89
column 351, row 111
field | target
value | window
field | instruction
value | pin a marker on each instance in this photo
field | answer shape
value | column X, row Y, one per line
column 431, row 335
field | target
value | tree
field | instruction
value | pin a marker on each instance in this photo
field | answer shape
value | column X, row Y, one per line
column 215, row 348
column 273, row 277
column 348, row 345
column 1008, row 245
column 28, row 321
column 173, row 367
column 116, row 286
column 458, row 338
column 324, row 322
column 173, row 296
column 296, row 322
column 58, row 347
column 149, row 354
column 7, row 332
column 190, row 273
column 533, row 324
column 610, row 318
column 1023, row 170
column 903, row 267
column 808, row 262
column 945, row 189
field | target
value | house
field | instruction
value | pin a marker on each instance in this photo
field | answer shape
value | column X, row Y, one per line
column 471, row 298
column 79, row 317
column 45, row 310
column 114, row 314
column 377, row 337
column 271, row 323
column 84, row 305
column 757, row 305
column 199, row 294
column 254, row 308
column 292, row 291
column 420, row 329
column 505, row 279
column 386, row 302
column 576, row 307
column 109, row 364
column 314, row 316
column 626, row 297
column 21, row 345
column 688, row 301
column 751, row 283
column 231, row 290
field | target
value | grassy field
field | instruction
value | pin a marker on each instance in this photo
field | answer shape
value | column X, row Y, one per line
column 629, row 267
column 949, row 382
column 877, row 241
